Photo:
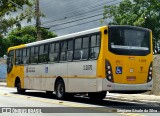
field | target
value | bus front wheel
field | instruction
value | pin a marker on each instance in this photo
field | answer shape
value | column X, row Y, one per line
column 60, row 89
column 19, row 89
column 97, row 95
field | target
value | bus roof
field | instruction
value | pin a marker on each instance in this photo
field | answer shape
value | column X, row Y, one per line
column 64, row 37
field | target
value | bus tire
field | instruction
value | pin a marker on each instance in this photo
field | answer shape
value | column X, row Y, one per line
column 19, row 89
column 97, row 95
column 60, row 89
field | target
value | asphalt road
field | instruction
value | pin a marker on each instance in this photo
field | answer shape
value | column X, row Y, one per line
column 38, row 102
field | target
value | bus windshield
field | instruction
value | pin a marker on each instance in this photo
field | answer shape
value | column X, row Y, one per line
column 129, row 39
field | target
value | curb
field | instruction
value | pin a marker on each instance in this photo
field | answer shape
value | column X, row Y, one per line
column 133, row 100
column 2, row 80
column 3, row 84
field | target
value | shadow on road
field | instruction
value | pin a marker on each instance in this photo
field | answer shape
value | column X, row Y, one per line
column 86, row 100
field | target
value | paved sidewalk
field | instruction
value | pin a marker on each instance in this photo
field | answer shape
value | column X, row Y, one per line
column 141, row 98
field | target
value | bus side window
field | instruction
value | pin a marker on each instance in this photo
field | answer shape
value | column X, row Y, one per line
column 54, row 52
column 51, row 52
column 77, row 48
column 94, row 48
column 85, row 46
column 17, row 59
column 69, row 50
column 43, row 53
column 63, row 54
column 28, row 55
column 34, row 54
column 25, row 56
column 18, row 56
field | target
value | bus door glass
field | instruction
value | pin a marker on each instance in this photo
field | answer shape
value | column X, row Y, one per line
column 10, row 61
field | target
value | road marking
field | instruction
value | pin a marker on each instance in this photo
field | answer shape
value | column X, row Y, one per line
column 68, row 103
column 61, row 102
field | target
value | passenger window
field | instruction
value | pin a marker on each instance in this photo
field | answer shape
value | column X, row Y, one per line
column 81, row 48
column 85, row 48
column 85, row 42
column 64, row 46
column 95, row 44
column 70, row 44
column 78, row 43
column 43, row 53
column 54, row 52
column 56, row 47
column 24, row 52
column 70, row 50
column 34, row 54
column 93, row 40
column 25, row 56
column 18, row 57
column 52, row 47
column 77, row 49
column 36, row 50
column 63, row 54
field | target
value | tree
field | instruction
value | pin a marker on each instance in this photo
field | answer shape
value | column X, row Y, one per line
column 143, row 13
column 7, row 7
column 23, row 36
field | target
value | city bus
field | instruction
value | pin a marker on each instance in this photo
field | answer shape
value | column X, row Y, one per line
column 108, row 58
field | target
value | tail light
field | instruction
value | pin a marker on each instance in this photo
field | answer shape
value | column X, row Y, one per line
column 108, row 68
column 150, row 73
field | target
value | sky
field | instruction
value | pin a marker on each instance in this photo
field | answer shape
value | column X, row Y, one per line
column 70, row 16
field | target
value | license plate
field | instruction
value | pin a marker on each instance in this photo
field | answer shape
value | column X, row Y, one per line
column 131, row 78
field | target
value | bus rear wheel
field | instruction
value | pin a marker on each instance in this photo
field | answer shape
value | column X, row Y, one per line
column 19, row 88
column 97, row 95
column 60, row 89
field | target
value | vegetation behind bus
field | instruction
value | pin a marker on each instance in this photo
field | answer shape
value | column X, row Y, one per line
column 22, row 36
column 9, row 7
column 143, row 13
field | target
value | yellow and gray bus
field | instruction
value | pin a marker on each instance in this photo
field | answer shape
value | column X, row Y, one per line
column 109, row 58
